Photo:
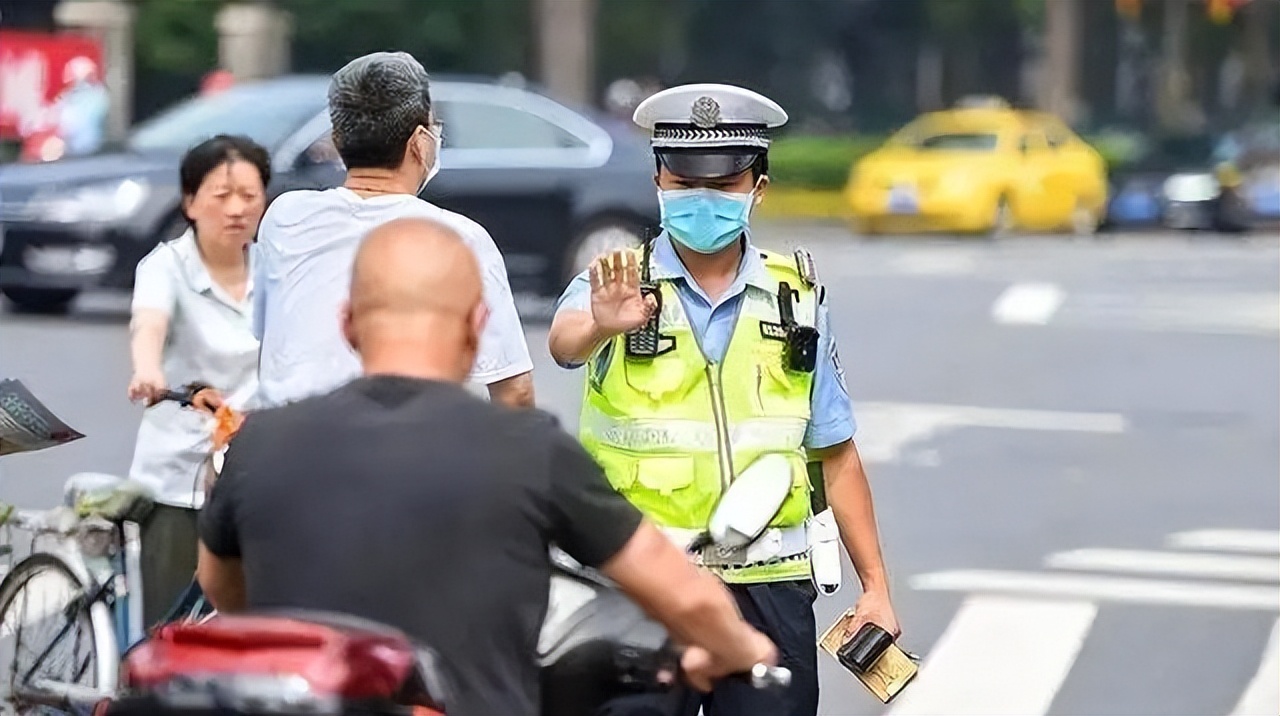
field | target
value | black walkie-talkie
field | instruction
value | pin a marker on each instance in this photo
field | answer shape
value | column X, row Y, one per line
column 646, row 341
column 801, row 351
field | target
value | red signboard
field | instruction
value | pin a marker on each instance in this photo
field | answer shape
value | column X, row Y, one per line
column 31, row 70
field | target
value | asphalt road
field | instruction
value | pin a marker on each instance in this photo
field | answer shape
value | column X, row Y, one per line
column 1074, row 447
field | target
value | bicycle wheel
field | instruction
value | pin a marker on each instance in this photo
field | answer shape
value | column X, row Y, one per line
column 50, row 637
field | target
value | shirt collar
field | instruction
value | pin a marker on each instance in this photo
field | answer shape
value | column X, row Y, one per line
column 197, row 274
column 666, row 265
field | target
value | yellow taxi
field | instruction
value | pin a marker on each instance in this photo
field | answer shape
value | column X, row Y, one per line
column 982, row 167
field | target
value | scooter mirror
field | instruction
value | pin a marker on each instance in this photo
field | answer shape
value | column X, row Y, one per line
column 751, row 502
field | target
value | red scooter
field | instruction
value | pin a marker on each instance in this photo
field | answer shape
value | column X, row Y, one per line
column 595, row 645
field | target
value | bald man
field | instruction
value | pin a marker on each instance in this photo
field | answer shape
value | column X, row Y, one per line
column 416, row 304
column 386, row 499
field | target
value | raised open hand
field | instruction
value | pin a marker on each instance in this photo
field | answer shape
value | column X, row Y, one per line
column 617, row 305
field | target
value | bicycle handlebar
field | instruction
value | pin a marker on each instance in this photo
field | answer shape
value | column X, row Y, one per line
column 184, row 397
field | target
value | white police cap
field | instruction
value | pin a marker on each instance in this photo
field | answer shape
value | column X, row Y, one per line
column 709, row 130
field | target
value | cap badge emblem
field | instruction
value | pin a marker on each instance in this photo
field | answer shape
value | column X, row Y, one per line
column 705, row 113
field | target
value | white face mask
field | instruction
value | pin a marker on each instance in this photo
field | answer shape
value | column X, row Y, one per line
column 435, row 164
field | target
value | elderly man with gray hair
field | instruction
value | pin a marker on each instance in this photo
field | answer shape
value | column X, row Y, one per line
column 388, row 136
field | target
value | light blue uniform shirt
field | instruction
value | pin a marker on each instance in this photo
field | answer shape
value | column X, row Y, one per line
column 831, row 421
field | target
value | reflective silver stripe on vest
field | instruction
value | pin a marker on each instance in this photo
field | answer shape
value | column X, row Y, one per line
column 692, row 436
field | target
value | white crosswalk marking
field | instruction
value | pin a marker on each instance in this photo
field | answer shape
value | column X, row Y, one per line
column 886, row 430
column 1262, row 697
column 1255, row 541
column 1116, row 589
column 1028, row 303
column 963, row 675
column 999, row 656
column 1262, row 569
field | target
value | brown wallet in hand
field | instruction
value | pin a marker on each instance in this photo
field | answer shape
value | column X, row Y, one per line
column 872, row 656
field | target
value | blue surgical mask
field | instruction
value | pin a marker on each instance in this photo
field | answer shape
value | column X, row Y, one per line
column 705, row 220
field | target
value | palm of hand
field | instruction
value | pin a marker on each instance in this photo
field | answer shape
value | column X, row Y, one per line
column 619, row 308
column 617, row 304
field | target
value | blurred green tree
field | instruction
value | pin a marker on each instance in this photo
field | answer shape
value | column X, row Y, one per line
column 175, row 44
column 449, row 36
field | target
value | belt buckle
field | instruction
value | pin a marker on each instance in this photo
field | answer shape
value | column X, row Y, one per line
column 764, row 549
column 715, row 556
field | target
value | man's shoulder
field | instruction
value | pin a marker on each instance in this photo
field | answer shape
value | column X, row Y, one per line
column 297, row 207
column 469, row 229
column 528, row 426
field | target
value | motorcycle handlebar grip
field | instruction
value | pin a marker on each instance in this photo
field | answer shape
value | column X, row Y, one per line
column 764, row 676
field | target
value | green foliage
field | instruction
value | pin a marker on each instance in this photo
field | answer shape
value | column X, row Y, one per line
column 809, row 162
column 484, row 36
column 1118, row 148
column 9, row 150
column 177, row 35
column 1030, row 12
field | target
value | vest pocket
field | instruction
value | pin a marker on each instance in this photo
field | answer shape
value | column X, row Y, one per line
column 661, row 474
column 665, row 474
column 619, row 468
column 779, row 392
column 660, row 379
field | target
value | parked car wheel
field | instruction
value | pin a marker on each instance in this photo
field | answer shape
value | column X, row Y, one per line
column 40, row 300
column 600, row 236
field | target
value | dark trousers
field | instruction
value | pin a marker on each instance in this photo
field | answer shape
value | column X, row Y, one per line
column 784, row 612
column 169, row 538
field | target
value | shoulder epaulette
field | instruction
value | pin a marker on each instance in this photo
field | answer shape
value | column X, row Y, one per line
column 805, row 267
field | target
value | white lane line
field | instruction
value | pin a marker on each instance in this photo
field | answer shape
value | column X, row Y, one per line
column 1038, row 419
column 1117, row 589
column 1256, row 541
column 1262, row 697
column 999, row 656
column 886, row 430
column 1028, row 303
column 1261, row 569
column 939, row 262
column 1217, row 313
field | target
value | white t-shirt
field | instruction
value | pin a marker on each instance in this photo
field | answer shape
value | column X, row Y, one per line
column 303, row 258
column 210, row 339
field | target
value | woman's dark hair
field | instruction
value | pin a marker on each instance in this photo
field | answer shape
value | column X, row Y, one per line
column 210, row 154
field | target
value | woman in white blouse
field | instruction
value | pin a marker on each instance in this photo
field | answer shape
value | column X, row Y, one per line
column 191, row 322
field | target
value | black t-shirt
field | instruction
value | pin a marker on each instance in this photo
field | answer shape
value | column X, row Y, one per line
column 421, row 506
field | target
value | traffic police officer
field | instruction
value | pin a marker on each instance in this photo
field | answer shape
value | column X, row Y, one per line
column 705, row 352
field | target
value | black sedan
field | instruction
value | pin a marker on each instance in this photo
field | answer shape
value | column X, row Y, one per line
column 554, row 186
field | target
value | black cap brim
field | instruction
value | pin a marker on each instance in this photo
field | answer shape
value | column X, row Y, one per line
column 708, row 163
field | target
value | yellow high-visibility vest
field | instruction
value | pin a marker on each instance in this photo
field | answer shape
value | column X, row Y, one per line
column 673, row 430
